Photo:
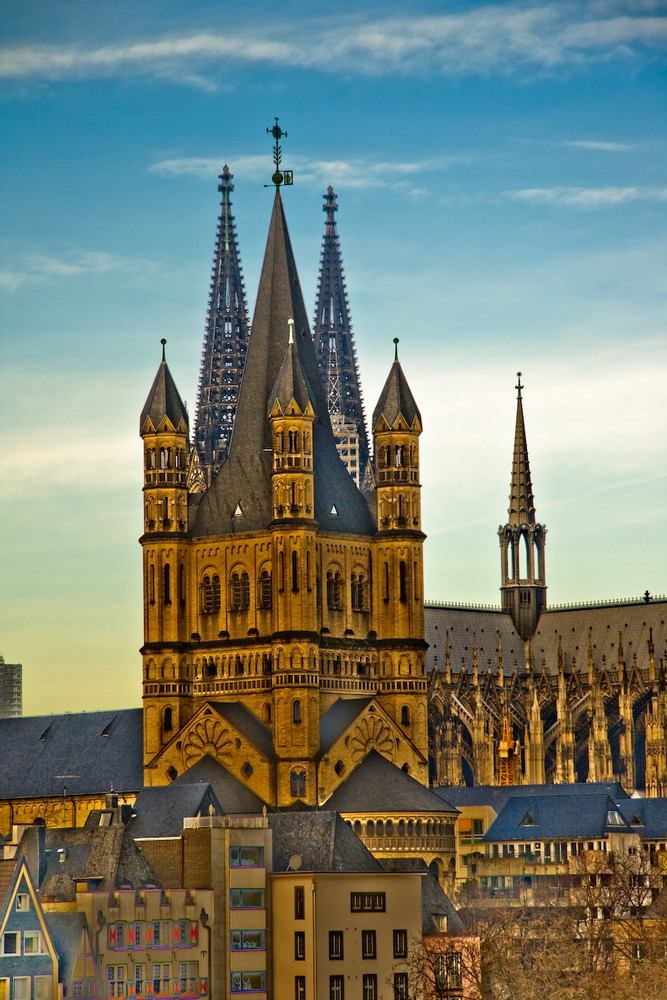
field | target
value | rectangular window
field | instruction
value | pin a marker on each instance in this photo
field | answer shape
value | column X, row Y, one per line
column 368, row 944
column 188, row 972
column 247, row 940
column 367, row 902
column 335, row 945
column 21, row 987
column 115, row 981
column 299, row 988
column 11, row 943
column 299, row 945
column 447, row 970
column 246, row 899
column 400, row 986
column 400, row 944
column 4, row 989
column 370, row 987
column 32, row 943
column 43, row 987
column 299, row 902
column 161, row 979
column 246, row 857
column 139, row 980
column 22, row 901
column 336, row 988
column 247, row 982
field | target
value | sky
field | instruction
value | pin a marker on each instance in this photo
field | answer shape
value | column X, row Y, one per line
column 500, row 173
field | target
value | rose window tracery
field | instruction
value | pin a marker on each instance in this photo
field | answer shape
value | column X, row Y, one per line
column 209, row 736
column 371, row 734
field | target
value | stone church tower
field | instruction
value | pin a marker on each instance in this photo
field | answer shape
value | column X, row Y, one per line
column 284, row 626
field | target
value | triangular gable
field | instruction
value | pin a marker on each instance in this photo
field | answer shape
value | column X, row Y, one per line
column 23, row 911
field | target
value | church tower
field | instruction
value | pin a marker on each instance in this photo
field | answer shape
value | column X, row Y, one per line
column 284, row 634
column 225, row 343
column 523, row 588
column 334, row 341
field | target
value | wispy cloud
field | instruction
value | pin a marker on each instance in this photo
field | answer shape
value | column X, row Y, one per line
column 508, row 38
column 40, row 267
column 357, row 173
column 603, row 147
column 579, row 197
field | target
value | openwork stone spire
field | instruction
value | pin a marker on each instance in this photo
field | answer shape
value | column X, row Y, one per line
column 523, row 580
column 225, row 343
column 334, row 342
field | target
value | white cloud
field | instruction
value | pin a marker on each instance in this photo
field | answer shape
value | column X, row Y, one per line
column 604, row 147
column 579, row 197
column 507, row 38
column 41, row 267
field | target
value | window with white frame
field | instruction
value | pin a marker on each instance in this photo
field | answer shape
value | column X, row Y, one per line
column 161, row 979
column 21, row 987
column 370, row 987
column 116, row 981
column 336, row 988
column 32, row 943
column 43, row 986
column 368, row 944
column 188, row 972
column 4, row 988
column 11, row 943
column 22, row 901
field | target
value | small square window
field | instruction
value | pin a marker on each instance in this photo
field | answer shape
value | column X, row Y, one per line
column 11, row 943
column 32, row 943
column 22, row 901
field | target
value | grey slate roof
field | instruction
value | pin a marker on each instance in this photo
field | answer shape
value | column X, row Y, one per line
column 240, row 716
column 336, row 720
column 163, row 400
column 234, row 796
column 436, row 903
column 377, row 785
column 651, row 814
column 570, row 626
column 159, row 811
column 396, row 398
column 65, row 931
column 559, row 817
column 323, row 841
column 89, row 752
column 291, row 383
column 497, row 796
column 245, row 477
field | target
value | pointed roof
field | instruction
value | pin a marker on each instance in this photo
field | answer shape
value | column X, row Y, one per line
column 245, row 477
column 225, row 341
column 332, row 332
column 163, row 399
column 377, row 785
column 291, row 383
column 522, row 505
column 233, row 795
column 159, row 811
column 396, row 398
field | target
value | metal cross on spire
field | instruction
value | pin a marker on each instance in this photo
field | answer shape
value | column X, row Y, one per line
column 518, row 385
column 285, row 177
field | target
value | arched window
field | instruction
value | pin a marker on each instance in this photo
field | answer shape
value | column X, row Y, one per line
column 293, row 440
column 295, row 572
column 334, row 595
column 357, row 592
column 405, row 715
column 402, row 581
column 266, row 712
column 210, row 594
column 240, row 592
column 167, row 720
column 167, row 583
column 264, row 590
column 181, row 584
column 296, row 710
column 151, row 585
column 297, row 782
column 386, row 581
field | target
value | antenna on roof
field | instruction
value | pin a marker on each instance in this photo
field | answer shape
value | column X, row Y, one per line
column 294, row 863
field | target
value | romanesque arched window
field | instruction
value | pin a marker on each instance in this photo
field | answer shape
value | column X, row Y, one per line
column 264, row 590
column 240, row 591
column 298, row 783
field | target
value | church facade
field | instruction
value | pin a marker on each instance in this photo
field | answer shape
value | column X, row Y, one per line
column 283, row 607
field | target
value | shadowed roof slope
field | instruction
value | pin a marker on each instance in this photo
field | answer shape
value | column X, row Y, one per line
column 377, row 785
column 562, row 816
column 245, row 477
column 160, row 810
column 323, row 841
column 87, row 752
column 232, row 794
column 497, row 796
column 163, row 400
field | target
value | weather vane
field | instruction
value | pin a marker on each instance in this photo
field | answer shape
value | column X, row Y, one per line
column 518, row 385
column 285, row 177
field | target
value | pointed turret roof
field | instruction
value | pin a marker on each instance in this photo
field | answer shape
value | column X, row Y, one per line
column 163, row 399
column 245, row 478
column 521, row 508
column 225, row 342
column 332, row 331
column 396, row 398
column 291, row 383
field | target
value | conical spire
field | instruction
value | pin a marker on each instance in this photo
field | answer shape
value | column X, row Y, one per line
column 163, row 399
column 225, row 342
column 396, row 398
column 291, row 383
column 246, row 475
column 334, row 342
column 522, row 505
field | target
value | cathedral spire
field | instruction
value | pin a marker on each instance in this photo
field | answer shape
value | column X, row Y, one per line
column 334, row 342
column 225, row 343
column 523, row 583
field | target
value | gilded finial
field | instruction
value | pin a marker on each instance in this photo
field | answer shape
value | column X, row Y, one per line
column 395, row 348
column 163, row 342
column 279, row 177
column 518, row 385
column 290, row 323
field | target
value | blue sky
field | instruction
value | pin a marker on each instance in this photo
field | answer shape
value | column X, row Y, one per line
column 500, row 172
